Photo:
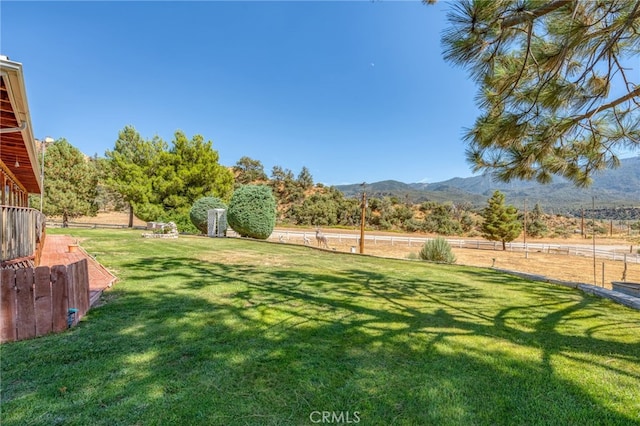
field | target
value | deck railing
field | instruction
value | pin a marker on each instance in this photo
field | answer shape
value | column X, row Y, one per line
column 21, row 233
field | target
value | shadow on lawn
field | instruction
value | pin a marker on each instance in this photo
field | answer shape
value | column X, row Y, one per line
column 233, row 344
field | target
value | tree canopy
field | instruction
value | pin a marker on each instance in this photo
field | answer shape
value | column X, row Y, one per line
column 71, row 180
column 247, row 170
column 131, row 163
column 558, row 84
column 159, row 181
column 190, row 170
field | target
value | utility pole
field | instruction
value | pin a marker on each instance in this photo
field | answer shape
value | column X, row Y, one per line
column 43, row 146
column 362, row 218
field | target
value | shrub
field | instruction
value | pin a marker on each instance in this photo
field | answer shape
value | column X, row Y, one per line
column 412, row 256
column 199, row 213
column 252, row 211
column 437, row 250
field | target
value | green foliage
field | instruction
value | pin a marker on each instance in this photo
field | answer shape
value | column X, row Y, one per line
column 129, row 171
column 285, row 187
column 199, row 213
column 555, row 87
column 71, row 181
column 160, row 182
column 327, row 206
column 437, row 250
column 537, row 226
column 305, row 180
column 188, row 171
column 500, row 221
column 181, row 219
column 319, row 210
column 414, row 225
column 252, row 211
column 248, row 170
column 441, row 220
column 467, row 222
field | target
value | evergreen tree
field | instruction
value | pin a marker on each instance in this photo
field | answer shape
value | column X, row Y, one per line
column 558, row 84
column 130, row 169
column 500, row 221
column 71, row 182
column 248, row 170
column 537, row 227
column 285, row 186
column 189, row 171
column 305, row 180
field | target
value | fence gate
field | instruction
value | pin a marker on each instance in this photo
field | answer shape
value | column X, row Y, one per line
column 217, row 223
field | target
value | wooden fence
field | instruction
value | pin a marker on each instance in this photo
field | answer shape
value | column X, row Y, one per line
column 42, row 300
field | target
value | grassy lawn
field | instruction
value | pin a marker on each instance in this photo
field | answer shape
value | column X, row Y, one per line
column 233, row 332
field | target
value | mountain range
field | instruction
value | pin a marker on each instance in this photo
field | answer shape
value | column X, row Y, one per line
column 618, row 187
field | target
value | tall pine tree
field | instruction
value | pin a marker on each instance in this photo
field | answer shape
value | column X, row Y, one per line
column 129, row 168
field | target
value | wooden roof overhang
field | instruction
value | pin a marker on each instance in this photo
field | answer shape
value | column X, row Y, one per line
column 18, row 153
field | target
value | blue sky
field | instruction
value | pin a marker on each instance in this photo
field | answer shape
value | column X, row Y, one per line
column 355, row 91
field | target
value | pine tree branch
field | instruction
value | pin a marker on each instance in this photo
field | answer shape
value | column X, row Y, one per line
column 613, row 40
column 533, row 14
column 611, row 104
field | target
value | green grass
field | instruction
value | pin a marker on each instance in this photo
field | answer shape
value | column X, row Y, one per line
column 234, row 332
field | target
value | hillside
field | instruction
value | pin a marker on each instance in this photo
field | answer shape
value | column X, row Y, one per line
column 614, row 187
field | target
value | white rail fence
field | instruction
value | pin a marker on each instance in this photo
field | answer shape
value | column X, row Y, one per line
column 628, row 254
column 613, row 253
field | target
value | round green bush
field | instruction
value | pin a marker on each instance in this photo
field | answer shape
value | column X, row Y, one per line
column 252, row 211
column 437, row 250
column 199, row 213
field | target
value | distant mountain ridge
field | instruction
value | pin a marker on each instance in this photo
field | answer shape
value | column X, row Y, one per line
column 611, row 187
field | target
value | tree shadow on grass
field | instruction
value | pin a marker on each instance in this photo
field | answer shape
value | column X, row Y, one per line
column 224, row 343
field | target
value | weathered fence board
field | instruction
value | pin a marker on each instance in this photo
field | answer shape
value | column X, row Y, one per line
column 44, row 324
column 83, row 292
column 59, row 297
column 8, row 304
column 36, row 301
column 26, row 318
